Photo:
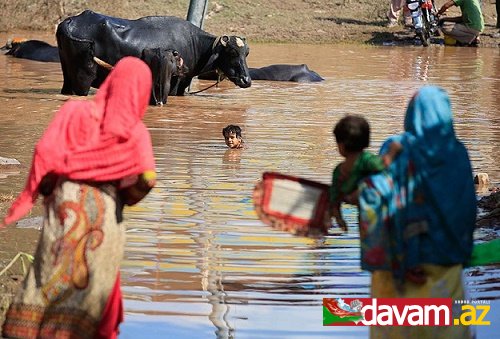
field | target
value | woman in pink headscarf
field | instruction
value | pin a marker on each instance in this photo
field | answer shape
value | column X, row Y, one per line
column 94, row 157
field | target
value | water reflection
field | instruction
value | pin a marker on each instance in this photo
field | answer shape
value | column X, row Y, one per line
column 198, row 264
column 232, row 158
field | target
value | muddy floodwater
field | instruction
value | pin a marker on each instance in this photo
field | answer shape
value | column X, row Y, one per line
column 198, row 264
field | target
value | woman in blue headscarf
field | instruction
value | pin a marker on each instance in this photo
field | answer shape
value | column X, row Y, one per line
column 417, row 218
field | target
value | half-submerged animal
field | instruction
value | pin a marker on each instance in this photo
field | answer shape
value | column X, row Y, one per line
column 32, row 49
column 281, row 72
column 278, row 72
column 85, row 36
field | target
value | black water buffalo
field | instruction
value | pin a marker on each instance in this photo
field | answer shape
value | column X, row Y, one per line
column 296, row 73
column 279, row 72
column 167, row 67
column 90, row 34
column 32, row 49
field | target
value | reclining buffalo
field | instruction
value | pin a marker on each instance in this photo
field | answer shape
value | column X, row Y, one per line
column 279, row 72
column 85, row 36
column 295, row 73
column 32, row 49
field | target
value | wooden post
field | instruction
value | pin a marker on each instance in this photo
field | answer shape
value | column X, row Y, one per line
column 196, row 12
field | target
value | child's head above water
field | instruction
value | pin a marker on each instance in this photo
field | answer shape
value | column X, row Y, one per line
column 232, row 136
column 352, row 134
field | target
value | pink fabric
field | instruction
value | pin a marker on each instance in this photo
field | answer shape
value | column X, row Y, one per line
column 112, row 315
column 101, row 139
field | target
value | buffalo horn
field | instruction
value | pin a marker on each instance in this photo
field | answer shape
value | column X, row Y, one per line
column 103, row 63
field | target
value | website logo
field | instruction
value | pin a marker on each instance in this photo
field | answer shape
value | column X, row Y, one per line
column 404, row 312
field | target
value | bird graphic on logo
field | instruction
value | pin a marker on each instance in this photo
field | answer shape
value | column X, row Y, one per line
column 337, row 312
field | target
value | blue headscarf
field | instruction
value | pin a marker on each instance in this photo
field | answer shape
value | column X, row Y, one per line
column 422, row 209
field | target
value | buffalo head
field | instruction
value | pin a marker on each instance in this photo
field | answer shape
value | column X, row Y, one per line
column 165, row 64
column 12, row 44
column 79, row 68
column 229, row 57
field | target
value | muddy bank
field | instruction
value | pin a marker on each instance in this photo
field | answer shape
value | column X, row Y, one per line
column 283, row 21
column 14, row 240
column 489, row 207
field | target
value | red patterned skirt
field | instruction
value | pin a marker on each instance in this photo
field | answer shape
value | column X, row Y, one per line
column 72, row 290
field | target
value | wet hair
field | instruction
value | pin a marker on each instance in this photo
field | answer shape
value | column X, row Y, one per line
column 353, row 131
column 232, row 129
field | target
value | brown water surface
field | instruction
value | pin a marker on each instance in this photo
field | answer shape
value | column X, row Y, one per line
column 198, row 264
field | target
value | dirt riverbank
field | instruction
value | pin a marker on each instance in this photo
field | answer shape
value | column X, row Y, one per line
column 283, row 21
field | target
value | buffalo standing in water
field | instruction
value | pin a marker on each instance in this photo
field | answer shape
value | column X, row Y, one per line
column 85, row 36
column 166, row 66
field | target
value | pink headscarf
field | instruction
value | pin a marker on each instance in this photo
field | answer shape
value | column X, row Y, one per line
column 101, row 139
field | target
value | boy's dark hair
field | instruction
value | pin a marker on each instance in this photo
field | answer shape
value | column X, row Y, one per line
column 354, row 132
column 232, row 129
